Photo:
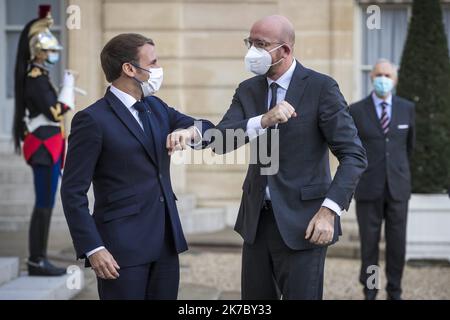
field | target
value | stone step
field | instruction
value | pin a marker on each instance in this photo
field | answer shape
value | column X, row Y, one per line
column 186, row 202
column 22, row 207
column 11, row 174
column 13, row 193
column 15, row 214
column 10, row 157
column 9, row 269
column 16, row 192
column 42, row 288
column 17, row 223
column 6, row 146
column 203, row 220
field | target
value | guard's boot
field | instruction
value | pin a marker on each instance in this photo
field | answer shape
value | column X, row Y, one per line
column 38, row 264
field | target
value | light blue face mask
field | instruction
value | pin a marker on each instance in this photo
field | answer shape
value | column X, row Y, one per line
column 383, row 86
column 53, row 57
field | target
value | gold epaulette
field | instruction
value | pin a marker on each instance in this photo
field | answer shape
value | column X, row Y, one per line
column 56, row 112
column 35, row 72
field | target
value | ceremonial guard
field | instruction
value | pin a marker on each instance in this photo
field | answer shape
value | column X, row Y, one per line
column 38, row 128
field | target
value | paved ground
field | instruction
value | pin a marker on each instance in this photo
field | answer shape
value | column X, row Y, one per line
column 211, row 270
column 216, row 275
column 222, row 271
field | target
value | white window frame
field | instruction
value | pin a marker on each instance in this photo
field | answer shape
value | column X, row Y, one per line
column 358, row 14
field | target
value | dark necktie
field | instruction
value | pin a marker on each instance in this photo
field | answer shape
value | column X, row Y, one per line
column 144, row 116
column 384, row 120
column 273, row 102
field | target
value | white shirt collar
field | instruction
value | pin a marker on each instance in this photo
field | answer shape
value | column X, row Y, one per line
column 377, row 100
column 125, row 98
column 285, row 79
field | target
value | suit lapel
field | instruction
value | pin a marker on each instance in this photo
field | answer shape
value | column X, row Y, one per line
column 297, row 86
column 130, row 122
column 293, row 95
column 259, row 93
column 373, row 114
column 156, row 132
column 394, row 116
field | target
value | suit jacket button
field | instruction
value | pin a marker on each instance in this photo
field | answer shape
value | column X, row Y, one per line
column 160, row 176
column 387, row 139
column 161, row 199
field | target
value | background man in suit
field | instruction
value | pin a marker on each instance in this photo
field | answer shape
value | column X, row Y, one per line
column 287, row 220
column 119, row 143
column 385, row 124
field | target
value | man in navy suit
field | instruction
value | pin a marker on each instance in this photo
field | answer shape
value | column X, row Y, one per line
column 122, row 144
column 289, row 218
column 386, row 126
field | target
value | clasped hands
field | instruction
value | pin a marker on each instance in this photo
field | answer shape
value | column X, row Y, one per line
column 180, row 139
column 320, row 230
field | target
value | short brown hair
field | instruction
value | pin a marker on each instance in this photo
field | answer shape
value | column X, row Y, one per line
column 119, row 50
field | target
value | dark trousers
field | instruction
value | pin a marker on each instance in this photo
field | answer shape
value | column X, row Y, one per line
column 370, row 215
column 271, row 270
column 45, row 184
column 158, row 280
column 45, row 180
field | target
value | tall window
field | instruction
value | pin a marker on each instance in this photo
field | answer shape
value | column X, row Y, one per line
column 14, row 14
column 388, row 41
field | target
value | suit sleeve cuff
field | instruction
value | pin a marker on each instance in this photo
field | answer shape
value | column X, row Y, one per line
column 254, row 128
column 333, row 206
column 90, row 253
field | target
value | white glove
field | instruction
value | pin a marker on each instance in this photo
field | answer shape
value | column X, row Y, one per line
column 67, row 93
column 69, row 79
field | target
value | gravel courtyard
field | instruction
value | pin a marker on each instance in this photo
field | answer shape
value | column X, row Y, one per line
column 221, row 270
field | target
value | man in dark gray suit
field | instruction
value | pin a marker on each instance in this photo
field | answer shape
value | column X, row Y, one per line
column 385, row 124
column 288, row 219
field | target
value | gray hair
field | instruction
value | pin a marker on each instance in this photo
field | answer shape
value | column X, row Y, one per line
column 383, row 60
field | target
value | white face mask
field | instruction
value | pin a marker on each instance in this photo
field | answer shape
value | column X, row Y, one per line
column 154, row 82
column 259, row 61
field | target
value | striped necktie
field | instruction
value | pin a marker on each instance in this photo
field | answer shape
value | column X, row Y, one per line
column 384, row 120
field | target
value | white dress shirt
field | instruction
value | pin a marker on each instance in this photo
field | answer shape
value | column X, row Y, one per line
column 129, row 101
column 379, row 109
column 254, row 128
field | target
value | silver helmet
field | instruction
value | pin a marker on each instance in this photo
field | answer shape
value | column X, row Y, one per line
column 40, row 35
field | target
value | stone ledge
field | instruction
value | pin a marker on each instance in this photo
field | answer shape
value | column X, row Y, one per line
column 203, row 220
column 9, row 269
column 39, row 288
